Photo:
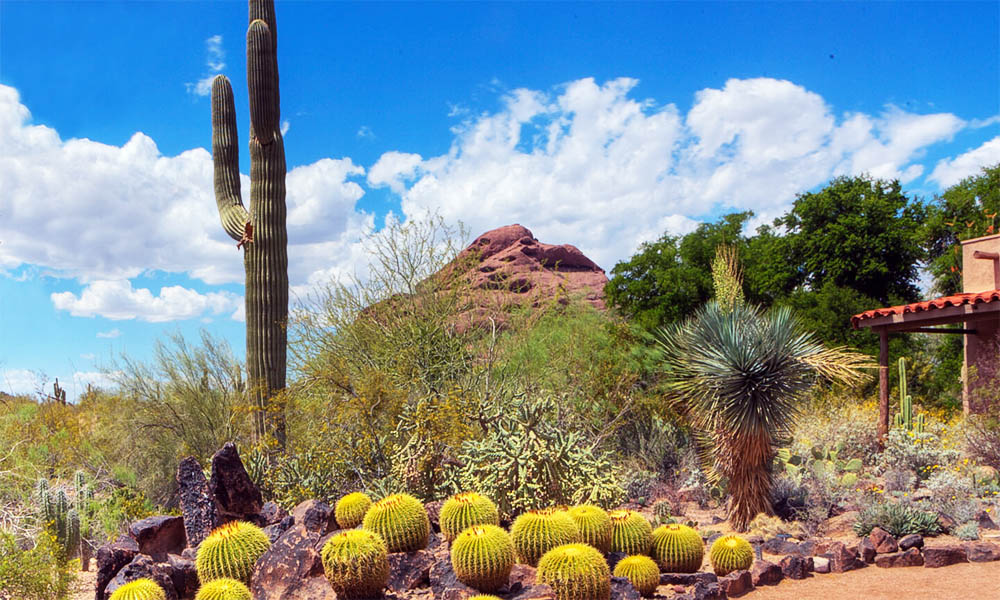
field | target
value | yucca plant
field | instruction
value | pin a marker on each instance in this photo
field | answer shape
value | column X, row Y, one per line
column 740, row 372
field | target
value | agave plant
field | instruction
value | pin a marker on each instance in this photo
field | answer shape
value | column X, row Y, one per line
column 740, row 372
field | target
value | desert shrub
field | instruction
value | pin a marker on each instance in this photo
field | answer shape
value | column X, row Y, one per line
column 899, row 480
column 982, row 438
column 789, row 497
column 663, row 512
column 639, row 484
column 897, row 518
column 527, row 461
column 832, row 419
column 949, row 484
column 114, row 511
column 39, row 573
column 922, row 453
column 967, row 532
column 302, row 474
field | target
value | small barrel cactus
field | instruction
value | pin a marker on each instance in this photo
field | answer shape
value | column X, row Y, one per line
column 140, row 589
column 631, row 533
column 594, row 524
column 402, row 522
column 730, row 553
column 464, row 510
column 576, row 572
column 231, row 550
column 677, row 548
column 356, row 563
column 350, row 510
column 482, row 557
column 537, row 531
column 641, row 571
column 223, row 589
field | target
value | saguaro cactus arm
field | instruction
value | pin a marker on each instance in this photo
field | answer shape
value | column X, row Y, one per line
column 226, row 160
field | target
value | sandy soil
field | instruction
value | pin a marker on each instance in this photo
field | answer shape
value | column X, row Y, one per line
column 83, row 587
column 967, row 580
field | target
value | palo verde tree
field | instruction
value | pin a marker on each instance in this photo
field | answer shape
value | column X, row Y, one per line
column 261, row 231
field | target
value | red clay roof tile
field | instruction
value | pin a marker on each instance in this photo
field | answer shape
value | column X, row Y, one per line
column 956, row 300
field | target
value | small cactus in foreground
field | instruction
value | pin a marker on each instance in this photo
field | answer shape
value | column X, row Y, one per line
column 631, row 533
column 537, row 531
column 482, row 557
column 356, row 563
column 140, row 589
column 677, row 548
column 594, row 524
column 641, row 571
column 350, row 510
column 231, row 551
column 402, row 522
column 576, row 572
column 464, row 510
column 730, row 553
column 223, row 589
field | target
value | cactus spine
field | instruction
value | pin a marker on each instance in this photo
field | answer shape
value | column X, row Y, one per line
column 140, row 589
column 677, row 548
column 482, row 557
column 261, row 231
column 631, row 533
column 402, row 522
column 641, row 571
column 594, row 524
column 464, row 510
column 730, row 553
column 223, row 589
column 537, row 531
column 356, row 563
column 905, row 418
column 231, row 551
column 350, row 510
column 576, row 572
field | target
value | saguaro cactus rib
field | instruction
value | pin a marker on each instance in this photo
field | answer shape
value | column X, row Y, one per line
column 261, row 232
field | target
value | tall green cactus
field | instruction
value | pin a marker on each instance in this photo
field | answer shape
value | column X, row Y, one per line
column 261, row 231
column 905, row 418
column 59, row 517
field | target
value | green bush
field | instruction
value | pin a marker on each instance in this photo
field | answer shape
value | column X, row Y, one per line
column 967, row 531
column 527, row 461
column 897, row 518
column 36, row 574
column 922, row 453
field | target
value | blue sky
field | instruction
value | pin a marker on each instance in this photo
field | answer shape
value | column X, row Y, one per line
column 601, row 125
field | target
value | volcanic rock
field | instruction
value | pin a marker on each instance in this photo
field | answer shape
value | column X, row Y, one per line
column 409, row 570
column 622, row 589
column 143, row 566
column 765, row 573
column 796, row 567
column 914, row 540
column 942, row 556
column 883, row 541
column 156, row 536
column 291, row 569
column 315, row 515
column 197, row 505
column 236, row 496
column 272, row 514
column 110, row 559
column 982, row 551
column 736, row 583
column 907, row 558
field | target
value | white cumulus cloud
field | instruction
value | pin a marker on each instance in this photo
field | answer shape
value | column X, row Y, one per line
column 948, row 172
column 118, row 300
column 215, row 62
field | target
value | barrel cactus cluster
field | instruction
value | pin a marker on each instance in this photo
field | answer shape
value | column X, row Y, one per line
column 482, row 556
column 538, row 531
column 356, row 563
column 140, row 589
column 677, row 548
column 401, row 520
column 231, row 551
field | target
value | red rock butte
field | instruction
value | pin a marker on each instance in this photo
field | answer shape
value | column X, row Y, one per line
column 518, row 270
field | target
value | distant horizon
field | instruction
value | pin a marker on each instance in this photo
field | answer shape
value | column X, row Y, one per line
column 598, row 125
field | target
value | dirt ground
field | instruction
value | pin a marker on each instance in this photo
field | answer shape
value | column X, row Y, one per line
column 83, row 587
column 967, row 580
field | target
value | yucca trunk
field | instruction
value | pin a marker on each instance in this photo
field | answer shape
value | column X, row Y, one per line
column 745, row 459
column 261, row 231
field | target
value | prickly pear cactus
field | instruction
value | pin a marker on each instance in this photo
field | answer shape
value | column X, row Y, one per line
column 538, row 531
column 730, row 553
column 223, row 589
column 464, row 510
column 631, row 533
column 231, row 551
column 677, row 548
column 260, row 232
column 594, row 524
column 482, row 557
column 140, row 589
column 641, row 571
column 402, row 522
column 576, row 572
column 350, row 510
column 356, row 563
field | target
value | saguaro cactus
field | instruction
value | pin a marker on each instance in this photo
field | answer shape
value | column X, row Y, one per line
column 261, row 231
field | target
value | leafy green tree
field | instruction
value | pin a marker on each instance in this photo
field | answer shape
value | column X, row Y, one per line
column 668, row 279
column 966, row 210
column 858, row 233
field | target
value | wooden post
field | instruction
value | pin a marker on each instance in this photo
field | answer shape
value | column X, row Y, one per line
column 883, row 386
